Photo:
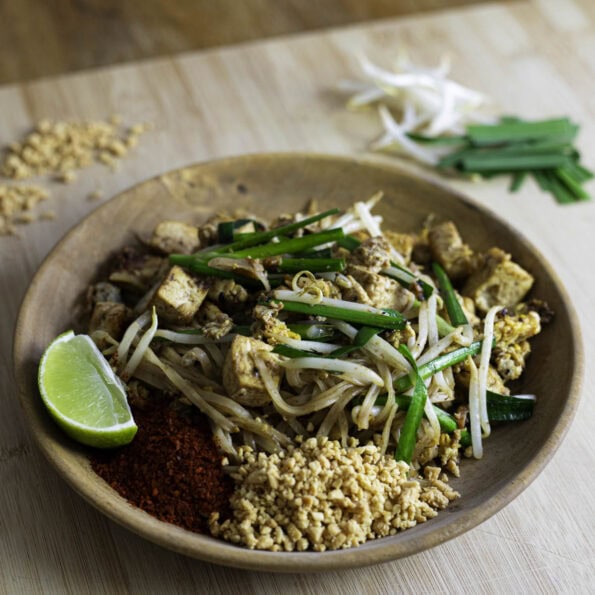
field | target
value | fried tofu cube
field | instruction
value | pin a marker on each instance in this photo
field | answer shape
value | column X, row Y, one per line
column 241, row 377
column 448, row 249
column 498, row 282
column 175, row 237
column 179, row 296
column 109, row 317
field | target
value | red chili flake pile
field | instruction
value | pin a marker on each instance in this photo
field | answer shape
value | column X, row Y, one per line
column 171, row 469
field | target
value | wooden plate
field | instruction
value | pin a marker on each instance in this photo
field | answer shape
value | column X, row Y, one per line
column 269, row 185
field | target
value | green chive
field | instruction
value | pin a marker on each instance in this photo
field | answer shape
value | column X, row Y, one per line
column 408, row 434
column 442, row 362
column 390, row 319
column 517, row 181
column 199, row 267
column 289, row 246
column 363, row 336
column 261, row 237
column 349, row 243
column 455, row 312
column 314, row 265
column 508, row 163
column 494, row 134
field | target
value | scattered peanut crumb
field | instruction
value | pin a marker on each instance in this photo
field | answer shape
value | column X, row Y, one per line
column 320, row 496
column 96, row 194
column 17, row 204
column 61, row 148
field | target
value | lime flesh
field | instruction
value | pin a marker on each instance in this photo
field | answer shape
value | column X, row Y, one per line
column 83, row 394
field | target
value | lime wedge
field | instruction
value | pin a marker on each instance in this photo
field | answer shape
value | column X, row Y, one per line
column 83, row 394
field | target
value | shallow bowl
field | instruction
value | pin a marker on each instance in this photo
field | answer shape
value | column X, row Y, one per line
column 269, row 185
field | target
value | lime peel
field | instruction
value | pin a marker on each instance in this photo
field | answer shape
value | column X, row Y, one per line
column 83, row 394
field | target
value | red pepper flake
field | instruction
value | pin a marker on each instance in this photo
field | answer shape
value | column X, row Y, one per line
column 171, row 469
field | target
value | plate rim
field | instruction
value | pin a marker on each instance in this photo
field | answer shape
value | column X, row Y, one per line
column 221, row 552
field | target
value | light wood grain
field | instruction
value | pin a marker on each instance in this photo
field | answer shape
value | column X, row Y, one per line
column 536, row 59
column 40, row 38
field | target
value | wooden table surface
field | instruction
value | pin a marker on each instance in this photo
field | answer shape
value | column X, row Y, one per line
column 535, row 58
column 40, row 38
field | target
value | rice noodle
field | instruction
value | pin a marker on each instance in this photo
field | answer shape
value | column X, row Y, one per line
column 305, row 298
column 141, row 347
column 387, row 427
column 422, row 331
column 196, row 354
column 355, row 373
column 474, row 411
column 484, row 364
column 191, row 339
column 365, row 410
column 129, row 336
column 331, row 417
column 376, row 346
column 191, row 392
column 304, row 345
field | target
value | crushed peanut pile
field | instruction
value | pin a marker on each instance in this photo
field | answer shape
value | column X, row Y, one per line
column 17, row 204
column 61, row 148
column 58, row 149
column 320, row 496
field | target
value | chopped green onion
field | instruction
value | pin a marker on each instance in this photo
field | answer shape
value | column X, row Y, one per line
column 314, row 265
column 543, row 149
column 261, row 237
column 289, row 246
column 384, row 318
column 349, row 243
column 508, row 132
column 360, row 340
column 320, row 253
column 437, row 140
column 508, row 163
column 455, row 312
column 509, row 408
column 440, row 363
column 225, row 230
column 408, row 435
column 567, row 177
column 198, row 266
column 517, row 181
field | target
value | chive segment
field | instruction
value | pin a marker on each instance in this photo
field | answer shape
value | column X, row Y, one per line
column 440, row 363
column 359, row 341
column 314, row 265
column 455, row 312
column 261, row 237
column 543, row 149
column 198, row 266
column 408, row 435
column 385, row 318
column 289, row 246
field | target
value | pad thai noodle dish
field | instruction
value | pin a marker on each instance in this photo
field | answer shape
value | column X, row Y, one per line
column 308, row 383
